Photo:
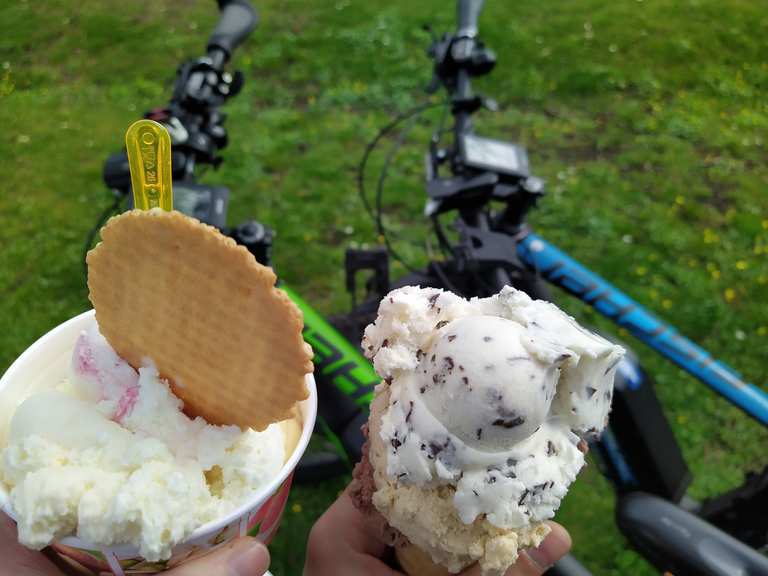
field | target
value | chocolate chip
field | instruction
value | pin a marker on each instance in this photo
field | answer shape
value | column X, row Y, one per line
column 402, row 475
column 433, row 299
column 432, row 359
column 461, row 367
column 491, row 479
column 479, row 433
column 441, row 324
column 465, row 380
column 551, row 450
column 612, row 366
column 410, row 411
column 591, row 391
column 510, row 474
column 511, row 462
column 475, row 492
column 419, row 354
column 508, row 422
column 395, row 443
column 448, row 362
column 451, row 337
column 487, row 338
column 388, row 380
column 391, row 300
column 563, row 357
column 385, row 343
column 423, row 389
column 434, row 378
column 525, row 493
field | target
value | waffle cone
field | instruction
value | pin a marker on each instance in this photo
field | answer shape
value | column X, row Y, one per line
column 415, row 562
column 168, row 287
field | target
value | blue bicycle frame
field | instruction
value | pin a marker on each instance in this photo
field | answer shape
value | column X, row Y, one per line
column 562, row 270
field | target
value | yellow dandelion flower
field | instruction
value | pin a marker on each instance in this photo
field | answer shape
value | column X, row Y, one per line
column 730, row 294
column 742, row 265
column 296, row 508
column 762, row 331
column 666, row 303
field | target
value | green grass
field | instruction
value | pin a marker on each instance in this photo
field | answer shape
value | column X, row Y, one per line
column 647, row 119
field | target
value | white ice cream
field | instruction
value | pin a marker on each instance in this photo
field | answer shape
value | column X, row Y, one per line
column 108, row 455
column 489, row 395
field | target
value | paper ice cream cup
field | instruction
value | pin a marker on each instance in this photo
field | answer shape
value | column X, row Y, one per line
column 46, row 362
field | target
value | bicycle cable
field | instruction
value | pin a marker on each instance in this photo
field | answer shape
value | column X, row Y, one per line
column 369, row 148
column 103, row 217
column 380, row 228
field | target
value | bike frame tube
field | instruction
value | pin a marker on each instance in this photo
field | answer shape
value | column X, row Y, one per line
column 565, row 272
column 336, row 360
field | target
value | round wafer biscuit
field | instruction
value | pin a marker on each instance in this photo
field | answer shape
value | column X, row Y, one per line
column 167, row 287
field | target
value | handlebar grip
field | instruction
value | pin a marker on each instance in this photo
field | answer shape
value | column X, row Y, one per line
column 468, row 14
column 238, row 19
column 678, row 541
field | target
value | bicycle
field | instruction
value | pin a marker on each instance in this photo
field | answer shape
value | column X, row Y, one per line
column 493, row 249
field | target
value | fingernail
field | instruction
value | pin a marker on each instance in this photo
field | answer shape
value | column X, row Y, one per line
column 554, row 547
column 248, row 559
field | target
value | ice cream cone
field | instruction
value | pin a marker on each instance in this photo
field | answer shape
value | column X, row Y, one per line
column 415, row 562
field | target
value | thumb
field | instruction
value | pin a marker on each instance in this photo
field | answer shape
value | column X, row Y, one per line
column 242, row 557
column 536, row 561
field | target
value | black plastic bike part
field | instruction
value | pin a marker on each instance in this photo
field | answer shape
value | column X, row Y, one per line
column 638, row 450
column 375, row 260
column 681, row 543
column 568, row 566
column 257, row 238
column 743, row 511
column 238, row 19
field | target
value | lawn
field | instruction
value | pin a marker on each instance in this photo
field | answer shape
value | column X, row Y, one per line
column 647, row 119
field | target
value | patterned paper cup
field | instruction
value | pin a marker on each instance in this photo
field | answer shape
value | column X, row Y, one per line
column 46, row 362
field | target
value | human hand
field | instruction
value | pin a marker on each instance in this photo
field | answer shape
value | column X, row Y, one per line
column 342, row 544
column 241, row 557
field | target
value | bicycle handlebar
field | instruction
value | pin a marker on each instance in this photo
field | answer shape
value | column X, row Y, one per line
column 468, row 13
column 676, row 540
column 238, row 19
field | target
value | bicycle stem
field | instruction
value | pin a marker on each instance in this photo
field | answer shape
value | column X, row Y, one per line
column 565, row 272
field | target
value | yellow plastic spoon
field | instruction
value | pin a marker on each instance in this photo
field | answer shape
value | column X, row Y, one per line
column 149, row 156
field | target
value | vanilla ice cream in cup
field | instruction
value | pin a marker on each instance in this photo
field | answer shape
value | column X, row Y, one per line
column 106, row 471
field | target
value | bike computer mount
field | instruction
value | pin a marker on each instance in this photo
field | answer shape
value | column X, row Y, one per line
column 482, row 169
